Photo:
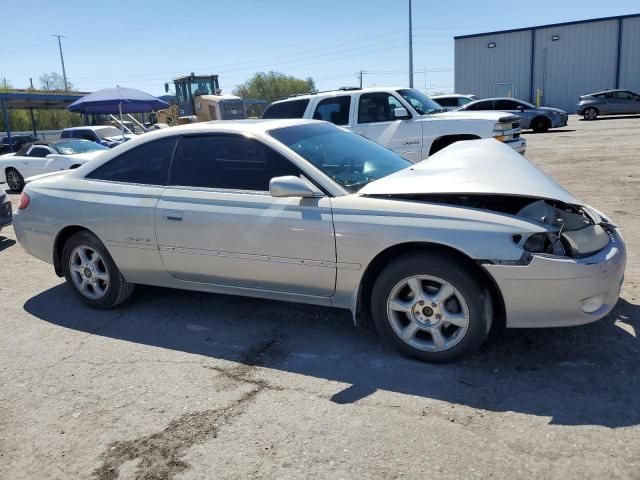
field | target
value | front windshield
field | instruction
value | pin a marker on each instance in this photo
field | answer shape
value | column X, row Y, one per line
column 72, row 147
column 348, row 159
column 420, row 101
column 108, row 132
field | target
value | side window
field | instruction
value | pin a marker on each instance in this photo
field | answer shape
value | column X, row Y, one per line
column 288, row 109
column 87, row 135
column 447, row 101
column 484, row 105
column 623, row 96
column 227, row 161
column 377, row 107
column 334, row 110
column 506, row 105
column 38, row 152
column 65, row 134
column 147, row 164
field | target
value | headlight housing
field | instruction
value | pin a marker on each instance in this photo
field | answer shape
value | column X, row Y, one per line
column 541, row 242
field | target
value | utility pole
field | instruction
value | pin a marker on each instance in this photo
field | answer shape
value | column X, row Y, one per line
column 360, row 76
column 64, row 73
column 410, row 48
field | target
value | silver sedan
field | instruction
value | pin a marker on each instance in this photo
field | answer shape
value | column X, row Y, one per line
column 538, row 119
column 304, row 211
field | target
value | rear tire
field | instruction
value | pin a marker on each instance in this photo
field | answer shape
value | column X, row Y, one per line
column 590, row 113
column 15, row 181
column 91, row 272
column 448, row 318
column 540, row 124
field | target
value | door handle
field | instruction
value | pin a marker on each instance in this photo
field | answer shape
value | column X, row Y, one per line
column 173, row 216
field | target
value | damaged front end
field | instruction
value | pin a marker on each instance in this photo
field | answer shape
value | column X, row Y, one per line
column 569, row 274
column 571, row 231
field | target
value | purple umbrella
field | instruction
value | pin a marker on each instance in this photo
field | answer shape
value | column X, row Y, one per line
column 117, row 100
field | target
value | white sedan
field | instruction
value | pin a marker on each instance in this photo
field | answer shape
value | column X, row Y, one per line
column 44, row 157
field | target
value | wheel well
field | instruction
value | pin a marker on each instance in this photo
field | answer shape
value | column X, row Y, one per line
column 65, row 234
column 384, row 258
column 541, row 117
column 442, row 142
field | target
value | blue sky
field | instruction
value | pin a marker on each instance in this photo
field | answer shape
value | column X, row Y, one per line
column 142, row 43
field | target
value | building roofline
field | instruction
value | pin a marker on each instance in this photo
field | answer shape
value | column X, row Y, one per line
column 537, row 27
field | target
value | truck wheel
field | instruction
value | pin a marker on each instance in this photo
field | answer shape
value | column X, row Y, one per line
column 540, row 124
column 91, row 272
column 430, row 308
column 590, row 113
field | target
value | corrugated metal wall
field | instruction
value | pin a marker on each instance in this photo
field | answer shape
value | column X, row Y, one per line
column 630, row 54
column 478, row 68
column 582, row 60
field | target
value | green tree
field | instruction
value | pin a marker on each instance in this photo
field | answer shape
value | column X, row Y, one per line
column 272, row 86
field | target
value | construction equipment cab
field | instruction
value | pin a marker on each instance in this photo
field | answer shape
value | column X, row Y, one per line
column 199, row 99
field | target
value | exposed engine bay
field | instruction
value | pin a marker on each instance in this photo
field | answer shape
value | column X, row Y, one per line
column 574, row 231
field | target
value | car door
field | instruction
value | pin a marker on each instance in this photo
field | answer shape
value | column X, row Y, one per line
column 34, row 160
column 375, row 119
column 621, row 102
column 217, row 223
column 522, row 110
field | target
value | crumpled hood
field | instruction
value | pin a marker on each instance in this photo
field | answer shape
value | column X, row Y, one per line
column 473, row 167
column 471, row 115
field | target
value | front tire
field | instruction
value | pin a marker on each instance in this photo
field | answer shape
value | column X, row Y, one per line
column 15, row 181
column 91, row 272
column 540, row 124
column 590, row 113
column 430, row 308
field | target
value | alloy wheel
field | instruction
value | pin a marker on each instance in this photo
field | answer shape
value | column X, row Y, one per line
column 13, row 180
column 428, row 313
column 89, row 272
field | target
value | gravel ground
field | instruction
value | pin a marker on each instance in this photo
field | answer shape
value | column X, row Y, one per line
column 182, row 385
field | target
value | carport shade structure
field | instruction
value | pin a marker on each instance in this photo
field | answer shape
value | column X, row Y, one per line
column 117, row 100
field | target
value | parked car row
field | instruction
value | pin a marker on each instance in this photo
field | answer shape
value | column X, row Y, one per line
column 306, row 211
column 402, row 119
column 540, row 119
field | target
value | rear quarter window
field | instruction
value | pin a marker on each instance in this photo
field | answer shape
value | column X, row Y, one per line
column 289, row 109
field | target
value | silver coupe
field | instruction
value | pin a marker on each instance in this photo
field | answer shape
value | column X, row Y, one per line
column 303, row 211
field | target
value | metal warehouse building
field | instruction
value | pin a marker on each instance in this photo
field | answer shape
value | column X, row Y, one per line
column 558, row 62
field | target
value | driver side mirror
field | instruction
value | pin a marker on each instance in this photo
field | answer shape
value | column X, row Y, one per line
column 291, row 186
column 520, row 108
column 400, row 113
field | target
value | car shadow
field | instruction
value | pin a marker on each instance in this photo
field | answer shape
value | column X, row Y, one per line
column 575, row 376
column 611, row 117
column 6, row 243
column 555, row 130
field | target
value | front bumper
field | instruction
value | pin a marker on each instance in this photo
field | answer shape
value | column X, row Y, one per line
column 548, row 292
column 518, row 144
column 559, row 120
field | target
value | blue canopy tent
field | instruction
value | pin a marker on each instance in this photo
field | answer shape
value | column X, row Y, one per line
column 117, row 100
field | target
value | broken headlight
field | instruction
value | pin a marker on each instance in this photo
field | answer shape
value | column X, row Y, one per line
column 542, row 242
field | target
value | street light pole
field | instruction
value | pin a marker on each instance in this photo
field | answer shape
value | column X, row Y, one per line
column 64, row 73
column 410, row 48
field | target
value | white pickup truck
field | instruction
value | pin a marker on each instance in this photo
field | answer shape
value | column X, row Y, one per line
column 402, row 119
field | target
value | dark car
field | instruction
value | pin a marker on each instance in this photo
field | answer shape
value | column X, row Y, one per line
column 17, row 142
column 608, row 102
column 6, row 215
